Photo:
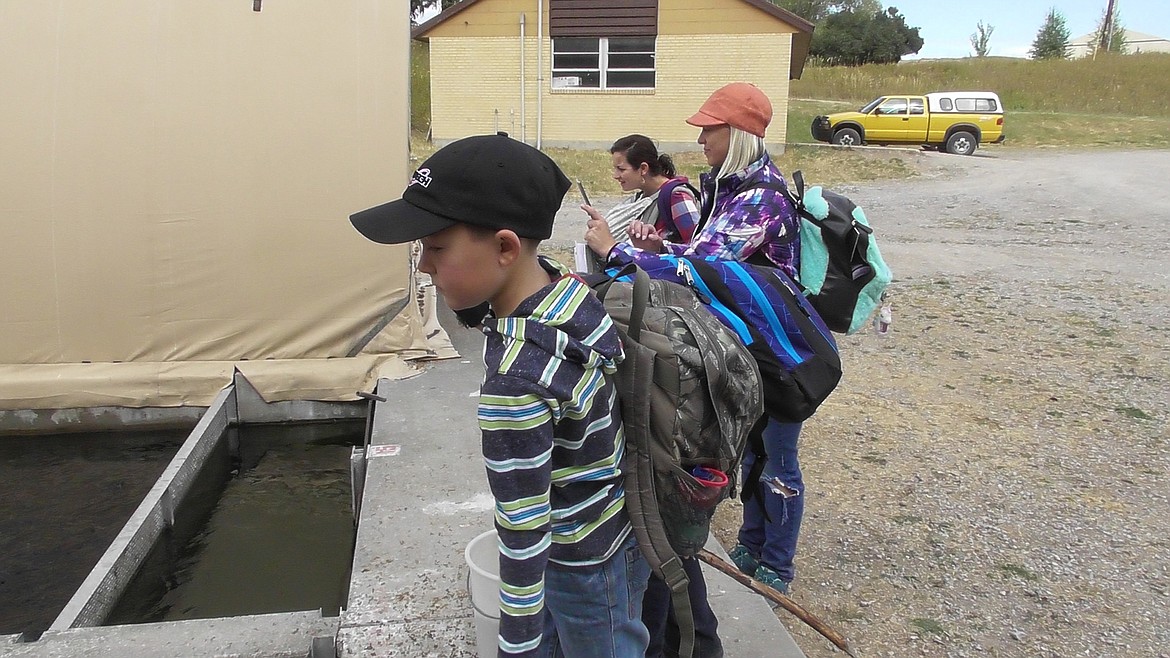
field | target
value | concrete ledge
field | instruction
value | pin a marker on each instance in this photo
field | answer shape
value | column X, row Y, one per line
column 98, row 594
column 251, row 408
column 96, row 419
column 425, row 498
column 282, row 635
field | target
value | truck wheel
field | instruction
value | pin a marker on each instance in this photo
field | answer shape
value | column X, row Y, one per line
column 961, row 143
column 847, row 137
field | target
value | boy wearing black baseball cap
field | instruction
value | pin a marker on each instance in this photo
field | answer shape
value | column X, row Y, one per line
column 571, row 573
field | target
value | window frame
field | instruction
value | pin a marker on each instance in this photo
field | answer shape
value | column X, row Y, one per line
column 603, row 70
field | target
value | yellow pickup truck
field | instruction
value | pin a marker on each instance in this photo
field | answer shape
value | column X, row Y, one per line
column 954, row 121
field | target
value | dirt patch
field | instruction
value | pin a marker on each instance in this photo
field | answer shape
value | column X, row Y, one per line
column 993, row 477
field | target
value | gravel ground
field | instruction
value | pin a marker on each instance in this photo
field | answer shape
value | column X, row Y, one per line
column 992, row 477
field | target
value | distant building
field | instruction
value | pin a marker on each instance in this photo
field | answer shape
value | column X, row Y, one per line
column 582, row 73
column 1135, row 42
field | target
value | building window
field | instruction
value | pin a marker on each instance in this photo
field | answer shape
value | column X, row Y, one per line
column 603, row 63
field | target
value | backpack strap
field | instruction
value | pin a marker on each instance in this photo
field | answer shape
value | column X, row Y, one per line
column 634, row 375
column 776, row 186
column 667, row 190
column 757, row 257
column 798, row 181
column 751, row 481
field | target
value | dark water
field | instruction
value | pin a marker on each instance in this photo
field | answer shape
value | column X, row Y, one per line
column 268, row 530
column 64, row 499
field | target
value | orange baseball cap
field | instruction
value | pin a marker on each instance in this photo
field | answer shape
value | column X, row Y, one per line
column 740, row 105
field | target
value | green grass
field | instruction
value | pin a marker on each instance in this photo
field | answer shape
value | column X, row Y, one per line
column 1134, row 412
column 1038, row 129
column 1018, row 571
column 420, row 87
column 821, row 166
column 930, row 626
column 1130, row 85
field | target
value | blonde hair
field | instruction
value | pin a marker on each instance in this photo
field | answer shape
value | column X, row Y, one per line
column 743, row 149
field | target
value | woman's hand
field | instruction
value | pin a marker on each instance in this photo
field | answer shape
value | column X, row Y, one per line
column 597, row 234
column 645, row 237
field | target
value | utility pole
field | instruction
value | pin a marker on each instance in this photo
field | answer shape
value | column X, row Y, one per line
column 1107, row 28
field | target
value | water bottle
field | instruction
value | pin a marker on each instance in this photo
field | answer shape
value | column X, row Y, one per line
column 883, row 318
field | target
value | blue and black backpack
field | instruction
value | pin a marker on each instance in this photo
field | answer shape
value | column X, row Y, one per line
column 797, row 357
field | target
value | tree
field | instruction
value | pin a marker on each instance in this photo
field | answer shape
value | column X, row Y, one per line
column 815, row 11
column 419, row 6
column 1110, row 33
column 979, row 40
column 852, row 38
column 1052, row 40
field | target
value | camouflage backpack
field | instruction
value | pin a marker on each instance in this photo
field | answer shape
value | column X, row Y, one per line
column 690, row 393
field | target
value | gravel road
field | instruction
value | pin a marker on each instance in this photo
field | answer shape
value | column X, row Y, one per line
column 993, row 477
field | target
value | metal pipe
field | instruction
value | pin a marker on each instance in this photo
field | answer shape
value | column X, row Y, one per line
column 539, row 71
column 523, row 83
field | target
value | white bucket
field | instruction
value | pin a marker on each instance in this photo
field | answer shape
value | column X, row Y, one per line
column 487, row 632
column 483, row 558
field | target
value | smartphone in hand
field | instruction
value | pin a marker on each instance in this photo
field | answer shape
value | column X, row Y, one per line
column 586, row 260
column 583, row 194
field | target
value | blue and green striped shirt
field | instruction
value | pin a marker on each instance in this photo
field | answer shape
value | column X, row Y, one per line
column 553, row 446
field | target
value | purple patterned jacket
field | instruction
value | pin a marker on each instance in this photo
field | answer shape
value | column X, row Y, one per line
column 744, row 219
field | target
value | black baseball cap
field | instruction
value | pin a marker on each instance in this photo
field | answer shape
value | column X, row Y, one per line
column 492, row 181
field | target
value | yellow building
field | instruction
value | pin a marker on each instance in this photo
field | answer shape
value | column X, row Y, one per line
column 581, row 73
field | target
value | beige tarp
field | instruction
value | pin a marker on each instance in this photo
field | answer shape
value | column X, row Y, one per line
column 174, row 191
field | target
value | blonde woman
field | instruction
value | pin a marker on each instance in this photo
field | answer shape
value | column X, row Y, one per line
column 741, row 219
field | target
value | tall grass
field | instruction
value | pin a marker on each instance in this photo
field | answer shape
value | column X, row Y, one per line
column 1137, row 85
column 420, row 87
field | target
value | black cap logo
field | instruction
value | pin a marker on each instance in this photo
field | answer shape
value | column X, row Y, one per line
column 421, row 177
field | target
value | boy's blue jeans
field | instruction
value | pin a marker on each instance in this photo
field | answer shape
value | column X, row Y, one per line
column 596, row 612
column 774, row 541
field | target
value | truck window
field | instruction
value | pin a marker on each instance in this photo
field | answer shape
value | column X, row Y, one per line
column 945, row 105
column 892, row 106
column 976, row 105
column 916, row 106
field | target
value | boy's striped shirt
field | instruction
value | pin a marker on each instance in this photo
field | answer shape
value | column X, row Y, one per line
column 553, row 445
